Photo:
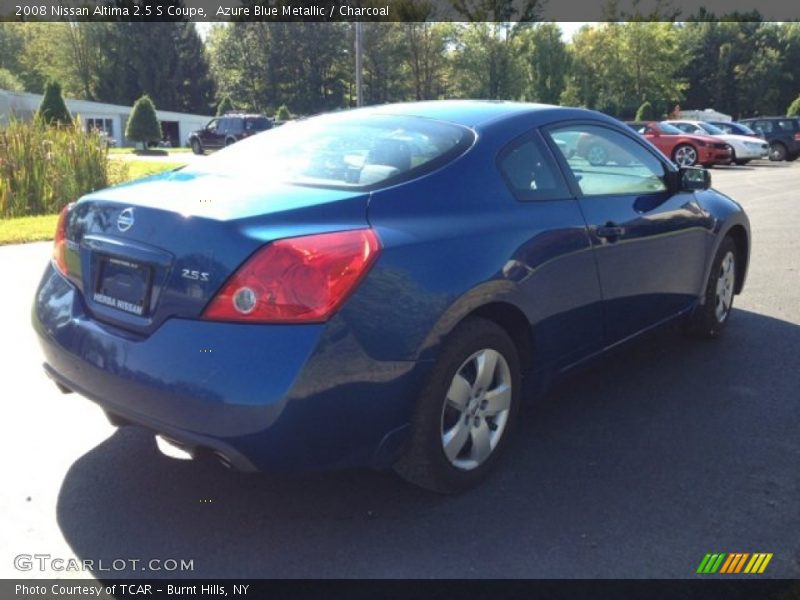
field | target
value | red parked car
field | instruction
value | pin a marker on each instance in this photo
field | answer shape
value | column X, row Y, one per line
column 684, row 149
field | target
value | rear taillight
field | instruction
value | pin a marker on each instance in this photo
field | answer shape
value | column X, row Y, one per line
column 303, row 279
column 60, row 241
column 797, row 137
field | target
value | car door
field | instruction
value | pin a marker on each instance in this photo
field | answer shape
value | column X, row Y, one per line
column 649, row 240
column 554, row 266
column 212, row 134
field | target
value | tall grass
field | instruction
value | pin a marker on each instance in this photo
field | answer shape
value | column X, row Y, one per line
column 44, row 167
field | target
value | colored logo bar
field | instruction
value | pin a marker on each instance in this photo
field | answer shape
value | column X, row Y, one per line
column 737, row 562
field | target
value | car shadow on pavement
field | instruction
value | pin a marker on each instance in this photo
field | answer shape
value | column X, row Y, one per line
column 634, row 467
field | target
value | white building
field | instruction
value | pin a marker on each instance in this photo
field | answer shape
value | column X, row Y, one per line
column 708, row 114
column 111, row 118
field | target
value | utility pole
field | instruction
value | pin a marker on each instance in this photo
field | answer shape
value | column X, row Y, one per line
column 359, row 57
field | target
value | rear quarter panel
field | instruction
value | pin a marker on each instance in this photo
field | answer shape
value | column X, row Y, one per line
column 456, row 240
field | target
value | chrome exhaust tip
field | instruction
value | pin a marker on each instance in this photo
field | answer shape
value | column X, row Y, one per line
column 174, row 449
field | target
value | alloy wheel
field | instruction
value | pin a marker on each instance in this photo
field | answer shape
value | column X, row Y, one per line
column 725, row 284
column 476, row 409
column 685, row 156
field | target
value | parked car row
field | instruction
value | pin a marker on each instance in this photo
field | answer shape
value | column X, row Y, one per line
column 685, row 148
column 705, row 143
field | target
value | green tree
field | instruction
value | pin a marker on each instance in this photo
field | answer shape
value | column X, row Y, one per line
column 546, row 62
column 794, row 108
column 426, row 57
column 12, row 42
column 53, row 109
column 305, row 65
column 385, row 63
column 283, row 113
column 225, row 105
column 645, row 112
column 166, row 61
column 617, row 66
column 9, row 81
column 143, row 125
column 486, row 62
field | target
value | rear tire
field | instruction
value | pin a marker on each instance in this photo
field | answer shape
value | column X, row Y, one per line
column 466, row 411
column 777, row 152
column 709, row 319
column 197, row 148
column 230, row 141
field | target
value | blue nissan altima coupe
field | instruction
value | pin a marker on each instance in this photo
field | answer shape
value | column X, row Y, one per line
column 370, row 287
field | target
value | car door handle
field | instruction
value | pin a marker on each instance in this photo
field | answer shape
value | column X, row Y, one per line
column 609, row 231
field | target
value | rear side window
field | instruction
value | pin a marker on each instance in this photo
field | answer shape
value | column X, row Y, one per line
column 787, row 125
column 530, row 172
column 257, row 124
column 762, row 126
column 606, row 162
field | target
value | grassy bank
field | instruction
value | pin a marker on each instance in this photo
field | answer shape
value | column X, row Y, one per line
column 27, row 229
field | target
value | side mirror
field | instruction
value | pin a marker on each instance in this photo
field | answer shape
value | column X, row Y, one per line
column 693, row 179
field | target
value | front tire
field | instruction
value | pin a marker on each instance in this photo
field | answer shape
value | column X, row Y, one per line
column 684, row 155
column 710, row 318
column 466, row 411
column 197, row 148
column 777, row 152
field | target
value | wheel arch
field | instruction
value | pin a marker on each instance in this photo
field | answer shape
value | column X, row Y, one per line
column 514, row 322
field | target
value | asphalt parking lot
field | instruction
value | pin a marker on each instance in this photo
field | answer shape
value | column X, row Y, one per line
column 636, row 467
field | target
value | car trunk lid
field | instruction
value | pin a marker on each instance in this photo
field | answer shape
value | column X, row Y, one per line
column 161, row 247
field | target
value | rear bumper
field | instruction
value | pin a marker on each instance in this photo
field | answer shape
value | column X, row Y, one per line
column 266, row 397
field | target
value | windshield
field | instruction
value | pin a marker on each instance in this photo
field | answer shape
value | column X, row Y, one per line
column 711, row 129
column 669, row 129
column 744, row 129
column 341, row 150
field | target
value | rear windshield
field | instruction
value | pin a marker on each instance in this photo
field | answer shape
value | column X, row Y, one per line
column 347, row 150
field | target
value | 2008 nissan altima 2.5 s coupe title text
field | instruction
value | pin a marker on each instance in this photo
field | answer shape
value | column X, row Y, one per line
column 370, row 287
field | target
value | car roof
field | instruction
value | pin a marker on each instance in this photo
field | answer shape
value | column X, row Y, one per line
column 768, row 118
column 469, row 113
